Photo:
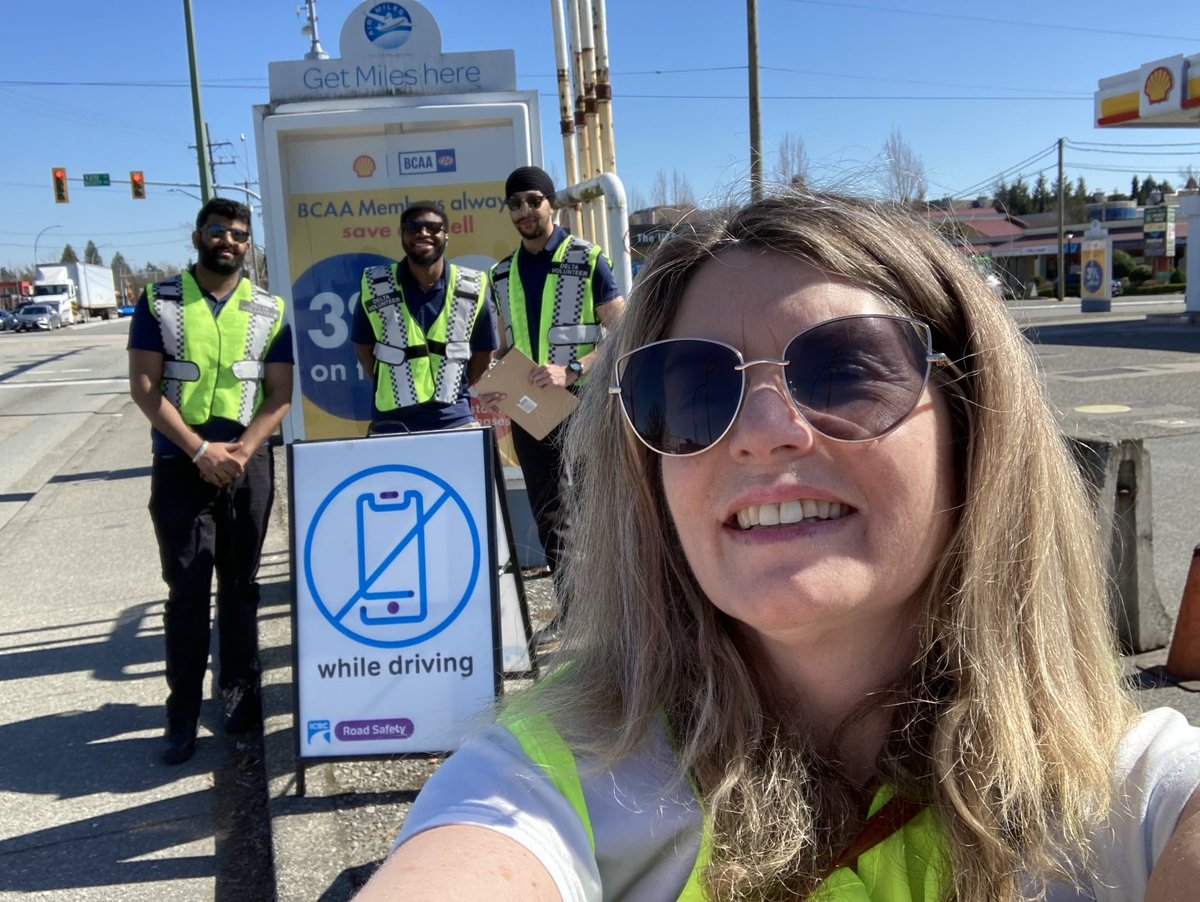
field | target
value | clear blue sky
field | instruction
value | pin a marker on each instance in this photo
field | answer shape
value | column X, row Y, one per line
column 975, row 89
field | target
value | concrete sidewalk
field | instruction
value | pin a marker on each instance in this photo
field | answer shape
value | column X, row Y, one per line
column 87, row 810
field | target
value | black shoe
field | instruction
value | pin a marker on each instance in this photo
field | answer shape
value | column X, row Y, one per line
column 243, row 709
column 181, row 742
column 548, row 638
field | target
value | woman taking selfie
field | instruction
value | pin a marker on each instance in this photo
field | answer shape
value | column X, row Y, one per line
column 846, row 629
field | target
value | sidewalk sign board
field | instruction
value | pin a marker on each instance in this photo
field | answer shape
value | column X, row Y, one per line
column 1095, row 282
column 397, row 602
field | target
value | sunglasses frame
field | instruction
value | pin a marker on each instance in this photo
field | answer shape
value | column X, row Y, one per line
column 932, row 358
column 217, row 232
column 523, row 201
column 423, row 228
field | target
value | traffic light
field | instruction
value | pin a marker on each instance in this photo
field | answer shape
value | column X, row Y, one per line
column 137, row 184
column 61, row 194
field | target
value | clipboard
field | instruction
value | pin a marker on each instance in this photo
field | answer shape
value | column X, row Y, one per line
column 536, row 410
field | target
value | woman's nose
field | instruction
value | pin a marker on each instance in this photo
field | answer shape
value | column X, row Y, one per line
column 768, row 424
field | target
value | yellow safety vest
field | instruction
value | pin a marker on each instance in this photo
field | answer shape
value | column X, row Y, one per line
column 907, row 866
column 214, row 366
column 568, row 328
column 415, row 367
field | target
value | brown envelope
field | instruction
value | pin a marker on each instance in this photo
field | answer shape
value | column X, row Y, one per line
column 536, row 410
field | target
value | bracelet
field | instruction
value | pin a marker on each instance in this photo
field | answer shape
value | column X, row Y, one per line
column 200, row 452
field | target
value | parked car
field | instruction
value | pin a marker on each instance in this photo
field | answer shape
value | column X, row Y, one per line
column 33, row 317
column 7, row 321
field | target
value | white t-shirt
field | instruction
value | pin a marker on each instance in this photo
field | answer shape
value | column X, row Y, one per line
column 647, row 824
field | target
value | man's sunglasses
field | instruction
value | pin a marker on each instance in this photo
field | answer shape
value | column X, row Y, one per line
column 518, row 201
column 853, row 379
column 217, row 232
column 418, row 228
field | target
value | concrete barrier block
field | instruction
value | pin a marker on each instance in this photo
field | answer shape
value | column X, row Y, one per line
column 1119, row 475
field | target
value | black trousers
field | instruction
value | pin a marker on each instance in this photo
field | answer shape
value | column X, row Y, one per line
column 542, row 466
column 202, row 529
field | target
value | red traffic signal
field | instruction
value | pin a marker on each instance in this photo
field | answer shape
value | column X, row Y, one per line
column 137, row 184
column 61, row 193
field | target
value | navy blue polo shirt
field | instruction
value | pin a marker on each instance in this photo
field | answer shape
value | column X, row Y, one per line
column 534, row 269
column 425, row 306
column 145, row 335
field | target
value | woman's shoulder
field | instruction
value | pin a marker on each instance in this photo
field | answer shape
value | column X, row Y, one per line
column 644, row 820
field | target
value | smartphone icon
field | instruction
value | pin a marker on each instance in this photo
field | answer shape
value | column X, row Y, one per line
column 391, row 558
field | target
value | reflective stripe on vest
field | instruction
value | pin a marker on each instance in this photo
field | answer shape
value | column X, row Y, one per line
column 414, row 367
column 908, row 866
column 568, row 326
column 214, row 367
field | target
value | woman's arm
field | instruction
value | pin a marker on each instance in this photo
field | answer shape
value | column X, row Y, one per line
column 450, row 863
column 1176, row 875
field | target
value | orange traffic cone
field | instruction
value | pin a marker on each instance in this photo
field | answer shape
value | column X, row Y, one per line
column 1183, row 660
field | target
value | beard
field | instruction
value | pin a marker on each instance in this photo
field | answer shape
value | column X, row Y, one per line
column 425, row 258
column 209, row 257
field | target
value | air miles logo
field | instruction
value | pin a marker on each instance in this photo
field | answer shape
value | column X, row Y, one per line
column 420, row 162
column 388, row 25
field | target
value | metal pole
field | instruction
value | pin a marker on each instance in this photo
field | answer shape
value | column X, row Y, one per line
column 566, row 122
column 756, row 163
column 1062, row 276
column 604, row 89
column 587, row 32
column 316, row 51
column 581, row 132
column 35, row 244
column 206, row 191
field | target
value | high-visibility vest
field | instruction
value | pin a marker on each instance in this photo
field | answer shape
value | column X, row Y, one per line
column 415, row 367
column 214, row 366
column 907, row 866
column 568, row 328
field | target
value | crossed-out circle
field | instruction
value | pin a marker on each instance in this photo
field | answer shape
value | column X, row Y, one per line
column 397, row 511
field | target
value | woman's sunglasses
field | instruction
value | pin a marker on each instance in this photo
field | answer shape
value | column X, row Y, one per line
column 853, row 379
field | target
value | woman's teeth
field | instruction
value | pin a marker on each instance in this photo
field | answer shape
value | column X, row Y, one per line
column 790, row 512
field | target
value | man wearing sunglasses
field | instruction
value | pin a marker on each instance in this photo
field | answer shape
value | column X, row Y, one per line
column 555, row 294
column 210, row 365
column 422, row 332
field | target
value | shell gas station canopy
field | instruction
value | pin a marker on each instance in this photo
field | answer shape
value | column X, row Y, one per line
column 1160, row 94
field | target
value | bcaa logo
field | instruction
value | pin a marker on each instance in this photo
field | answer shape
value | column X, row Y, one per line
column 1159, row 84
column 419, row 162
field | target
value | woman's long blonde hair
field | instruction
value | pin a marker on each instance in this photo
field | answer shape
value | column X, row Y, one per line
column 1006, row 724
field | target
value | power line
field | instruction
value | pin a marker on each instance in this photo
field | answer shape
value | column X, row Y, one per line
column 1081, row 144
column 1025, row 25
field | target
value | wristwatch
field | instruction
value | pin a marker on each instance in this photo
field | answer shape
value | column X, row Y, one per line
column 577, row 368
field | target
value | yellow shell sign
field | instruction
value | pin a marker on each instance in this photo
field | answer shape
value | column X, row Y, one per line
column 364, row 166
column 1159, row 84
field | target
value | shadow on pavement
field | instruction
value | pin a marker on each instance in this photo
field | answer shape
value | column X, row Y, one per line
column 1146, row 335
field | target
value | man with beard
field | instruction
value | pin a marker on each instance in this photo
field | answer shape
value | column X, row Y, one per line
column 210, row 365
column 553, row 295
column 423, row 331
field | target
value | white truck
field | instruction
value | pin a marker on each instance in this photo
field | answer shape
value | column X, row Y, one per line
column 82, row 291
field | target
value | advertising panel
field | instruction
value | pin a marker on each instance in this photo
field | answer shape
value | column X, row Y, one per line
column 397, row 628
column 345, row 145
column 1158, row 231
column 1096, row 274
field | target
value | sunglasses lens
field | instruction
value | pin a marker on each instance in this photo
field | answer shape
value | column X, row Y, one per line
column 680, row 396
column 858, row 377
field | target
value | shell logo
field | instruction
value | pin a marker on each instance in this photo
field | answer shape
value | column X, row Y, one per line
column 364, row 166
column 1159, row 84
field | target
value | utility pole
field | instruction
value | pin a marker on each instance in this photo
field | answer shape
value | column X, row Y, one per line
column 756, row 163
column 1062, row 276
column 206, row 191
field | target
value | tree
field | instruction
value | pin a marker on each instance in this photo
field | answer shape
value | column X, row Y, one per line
column 1043, row 200
column 904, row 177
column 92, row 255
column 1134, row 188
column 68, row 255
column 791, row 167
column 676, row 193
